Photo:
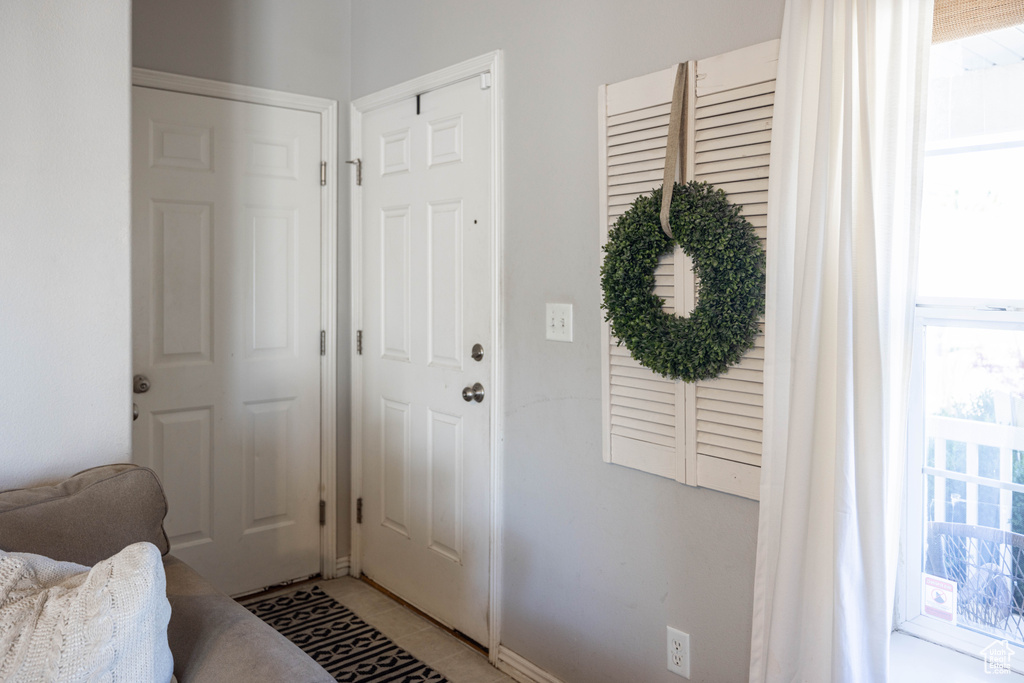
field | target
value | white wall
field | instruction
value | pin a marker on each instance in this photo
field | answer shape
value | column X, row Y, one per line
column 65, row 378
column 598, row 559
column 299, row 47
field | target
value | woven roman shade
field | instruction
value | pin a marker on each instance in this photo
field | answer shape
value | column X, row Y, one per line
column 955, row 19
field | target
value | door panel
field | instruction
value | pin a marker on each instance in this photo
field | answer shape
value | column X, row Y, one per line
column 226, row 325
column 426, row 302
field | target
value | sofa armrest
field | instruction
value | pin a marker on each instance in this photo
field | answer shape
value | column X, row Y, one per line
column 216, row 640
column 85, row 519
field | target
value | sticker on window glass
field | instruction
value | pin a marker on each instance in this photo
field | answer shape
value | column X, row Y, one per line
column 939, row 598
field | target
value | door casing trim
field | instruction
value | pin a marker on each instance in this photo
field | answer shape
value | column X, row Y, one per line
column 490, row 63
column 328, row 112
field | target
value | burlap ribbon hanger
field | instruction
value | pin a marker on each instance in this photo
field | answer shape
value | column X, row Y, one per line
column 675, row 149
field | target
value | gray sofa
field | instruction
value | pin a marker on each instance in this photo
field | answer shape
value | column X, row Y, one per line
column 95, row 514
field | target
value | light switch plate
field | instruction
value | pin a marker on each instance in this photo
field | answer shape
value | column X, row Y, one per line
column 558, row 326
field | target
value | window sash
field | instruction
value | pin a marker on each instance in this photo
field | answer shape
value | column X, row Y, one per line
column 944, row 313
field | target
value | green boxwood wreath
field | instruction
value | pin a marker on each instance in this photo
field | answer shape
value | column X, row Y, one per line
column 729, row 264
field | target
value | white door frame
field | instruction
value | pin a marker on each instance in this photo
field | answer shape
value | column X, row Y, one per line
column 479, row 67
column 328, row 112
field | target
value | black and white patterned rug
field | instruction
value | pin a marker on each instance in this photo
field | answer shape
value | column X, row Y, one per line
column 350, row 649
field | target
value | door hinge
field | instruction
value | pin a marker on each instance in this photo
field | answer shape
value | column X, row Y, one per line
column 323, row 342
column 359, row 342
column 359, row 510
column 323, row 173
column 323, row 513
column 359, row 170
column 485, row 80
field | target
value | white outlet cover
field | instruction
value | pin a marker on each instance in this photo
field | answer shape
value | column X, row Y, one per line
column 558, row 322
column 679, row 652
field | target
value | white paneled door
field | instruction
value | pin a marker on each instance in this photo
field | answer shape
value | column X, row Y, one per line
column 427, row 231
column 226, row 324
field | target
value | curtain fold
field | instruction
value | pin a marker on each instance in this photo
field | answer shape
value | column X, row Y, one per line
column 844, row 192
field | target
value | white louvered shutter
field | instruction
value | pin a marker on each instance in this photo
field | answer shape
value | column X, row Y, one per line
column 644, row 417
column 735, row 95
column 707, row 434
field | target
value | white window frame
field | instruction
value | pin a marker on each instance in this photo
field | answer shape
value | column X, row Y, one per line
column 1003, row 314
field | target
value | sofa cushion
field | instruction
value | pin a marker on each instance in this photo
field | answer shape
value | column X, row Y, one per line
column 216, row 640
column 86, row 518
column 65, row 622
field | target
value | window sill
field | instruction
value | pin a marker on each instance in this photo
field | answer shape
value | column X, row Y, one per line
column 912, row 659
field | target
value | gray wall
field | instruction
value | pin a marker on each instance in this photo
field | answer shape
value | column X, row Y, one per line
column 65, row 381
column 299, row 47
column 598, row 559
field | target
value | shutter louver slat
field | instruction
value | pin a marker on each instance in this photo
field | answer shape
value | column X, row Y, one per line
column 742, row 92
column 635, row 176
column 721, row 453
column 656, row 421
column 728, row 417
column 643, row 437
column 739, row 107
column 639, row 146
column 733, row 131
column 736, row 187
column 731, row 142
column 656, row 385
column 634, row 167
column 755, row 162
column 709, row 430
column 728, row 395
column 735, row 154
column 735, row 175
column 640, row 114
column 729, row 409
column 619, row 160
column 648, row 406
column 744, row 445
column 638, row 188
column 660, row 132
column 615, row 132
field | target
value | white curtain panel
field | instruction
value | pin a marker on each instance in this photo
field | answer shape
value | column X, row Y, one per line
column 843, row 201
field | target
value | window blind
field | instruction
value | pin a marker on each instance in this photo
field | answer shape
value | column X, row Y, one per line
column 955, row 19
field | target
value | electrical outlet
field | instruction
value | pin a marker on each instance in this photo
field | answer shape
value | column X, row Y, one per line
column 558, row 325
column 679, row 652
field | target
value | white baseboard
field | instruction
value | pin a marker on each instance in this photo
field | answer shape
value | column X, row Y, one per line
column 521, row 669
column 342, row 566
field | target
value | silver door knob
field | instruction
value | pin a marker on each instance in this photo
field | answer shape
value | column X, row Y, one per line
column 473, row 393
column 135, row 412
column 140, row 384
column 478, row 352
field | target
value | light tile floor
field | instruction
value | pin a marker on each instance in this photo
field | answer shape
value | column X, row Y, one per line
column 439, row 650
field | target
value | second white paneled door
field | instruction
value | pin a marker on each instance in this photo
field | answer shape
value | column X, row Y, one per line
column 427, row 231
column 226, row 319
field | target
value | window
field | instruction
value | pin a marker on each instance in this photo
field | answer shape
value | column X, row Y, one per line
column 964, row 545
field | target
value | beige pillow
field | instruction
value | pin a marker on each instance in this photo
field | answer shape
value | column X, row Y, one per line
column 65, row 622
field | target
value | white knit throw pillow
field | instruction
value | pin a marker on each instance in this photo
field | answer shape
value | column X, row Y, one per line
column 64, row 622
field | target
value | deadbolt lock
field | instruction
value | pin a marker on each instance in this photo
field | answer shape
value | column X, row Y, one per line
column 140, row 384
